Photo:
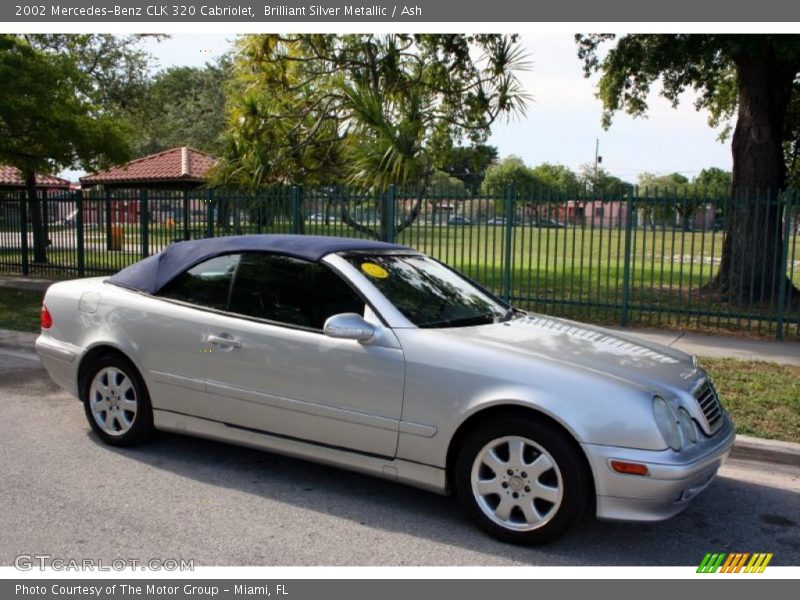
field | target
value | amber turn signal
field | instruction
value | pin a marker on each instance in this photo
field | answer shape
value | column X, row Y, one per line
column 629, row 468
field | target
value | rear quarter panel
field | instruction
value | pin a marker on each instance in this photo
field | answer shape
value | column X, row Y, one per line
column 73, row 306
column 163, row 340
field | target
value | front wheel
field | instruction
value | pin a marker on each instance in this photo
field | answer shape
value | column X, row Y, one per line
column 116, row 402
column 521, row 480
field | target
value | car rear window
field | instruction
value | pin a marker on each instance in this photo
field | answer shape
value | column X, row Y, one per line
column 206, row 284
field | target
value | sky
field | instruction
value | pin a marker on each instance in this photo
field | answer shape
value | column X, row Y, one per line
column 562, row 123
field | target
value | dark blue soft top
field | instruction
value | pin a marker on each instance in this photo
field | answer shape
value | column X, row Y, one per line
column 153, row 273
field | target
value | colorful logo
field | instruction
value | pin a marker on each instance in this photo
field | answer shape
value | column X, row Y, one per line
column 736, row 562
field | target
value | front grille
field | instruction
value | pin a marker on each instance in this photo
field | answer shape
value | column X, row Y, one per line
column 708, row 400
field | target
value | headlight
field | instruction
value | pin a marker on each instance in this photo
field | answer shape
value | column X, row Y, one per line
column 667, row 423
column 687, row 425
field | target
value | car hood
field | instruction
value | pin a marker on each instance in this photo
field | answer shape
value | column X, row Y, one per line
column 597, row 349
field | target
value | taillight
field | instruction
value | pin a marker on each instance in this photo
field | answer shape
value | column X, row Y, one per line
column 47, row 318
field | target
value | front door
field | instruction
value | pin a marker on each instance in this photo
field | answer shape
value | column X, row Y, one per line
column 273, row 370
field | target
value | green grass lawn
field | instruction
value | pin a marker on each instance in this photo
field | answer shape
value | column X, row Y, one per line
column 20, row 310
column 764, row 398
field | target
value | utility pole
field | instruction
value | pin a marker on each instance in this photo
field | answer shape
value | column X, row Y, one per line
column 597, row 160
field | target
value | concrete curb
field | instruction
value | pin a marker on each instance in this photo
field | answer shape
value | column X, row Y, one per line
column 745, row 447
column 766, row 451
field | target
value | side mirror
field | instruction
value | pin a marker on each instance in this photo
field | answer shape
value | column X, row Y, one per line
column 349, row 326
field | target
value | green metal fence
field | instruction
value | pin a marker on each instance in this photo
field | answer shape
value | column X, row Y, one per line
column 638, row 257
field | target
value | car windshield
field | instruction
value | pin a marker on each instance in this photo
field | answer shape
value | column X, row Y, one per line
column 428, row 293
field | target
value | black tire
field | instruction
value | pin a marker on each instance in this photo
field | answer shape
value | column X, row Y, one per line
column 569, row 476
column 141, row 424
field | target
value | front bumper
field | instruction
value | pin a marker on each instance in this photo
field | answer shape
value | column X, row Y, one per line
column 674, row 477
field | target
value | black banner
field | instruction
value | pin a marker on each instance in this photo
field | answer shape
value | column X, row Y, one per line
column 729, row 588
column 441, row 11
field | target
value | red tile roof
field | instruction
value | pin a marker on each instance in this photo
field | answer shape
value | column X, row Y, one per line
column 176, row 165
column 12, row 177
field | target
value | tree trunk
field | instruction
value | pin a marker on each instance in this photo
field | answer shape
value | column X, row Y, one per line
column 751, row 268
column 35, row 212
column 381, row 232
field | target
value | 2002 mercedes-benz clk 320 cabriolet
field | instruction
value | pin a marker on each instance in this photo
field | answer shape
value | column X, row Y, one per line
column 377, row 358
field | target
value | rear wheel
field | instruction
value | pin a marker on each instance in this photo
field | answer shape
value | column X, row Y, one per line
column 521, row 480
column 116, row 402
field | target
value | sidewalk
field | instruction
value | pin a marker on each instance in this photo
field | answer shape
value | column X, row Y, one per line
column 722, row 346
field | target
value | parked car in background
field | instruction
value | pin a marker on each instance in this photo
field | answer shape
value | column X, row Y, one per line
column 549, row 224
column 317, row 218
column 71, row 220
column 377, row 358
column 458, row 220
column 496, row 221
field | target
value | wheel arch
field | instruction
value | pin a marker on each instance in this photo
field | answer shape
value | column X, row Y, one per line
column 95, row 352
column 499, row 411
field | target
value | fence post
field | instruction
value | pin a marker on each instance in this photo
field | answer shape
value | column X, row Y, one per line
column 79, row 232
column 296, row 192
column 107, row 218
column 626, row 274
column 185, row 215
column 23, row 228
column 391, row 211
column 45, row 218
column 787, row 233
column 237, row 215
column 144, row 223
column 508, row 257
column 210, row 213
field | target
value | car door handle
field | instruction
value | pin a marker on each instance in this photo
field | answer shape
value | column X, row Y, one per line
column 219, row 340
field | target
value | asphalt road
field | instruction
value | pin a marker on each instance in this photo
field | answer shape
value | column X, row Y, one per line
column 64, row 493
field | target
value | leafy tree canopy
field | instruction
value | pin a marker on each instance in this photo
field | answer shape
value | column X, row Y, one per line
column 556, row 177
column 367, row 110
column 370, row 110
column 671, row 182
column 512, row 170
column 713, row 180
column 115, row 67
column 182, row 106
column 443, row 184
column 48, row 117
column 469, row 164
column 599, row 181
column 716, row 67
column 540, row 179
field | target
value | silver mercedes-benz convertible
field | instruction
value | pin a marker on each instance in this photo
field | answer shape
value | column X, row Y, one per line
column 377, row 358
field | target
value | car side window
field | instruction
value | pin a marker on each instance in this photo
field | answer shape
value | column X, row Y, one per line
column 291, row 291
column 206, row 284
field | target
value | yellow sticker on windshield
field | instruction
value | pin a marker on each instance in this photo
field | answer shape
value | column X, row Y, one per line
column 373, row 270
